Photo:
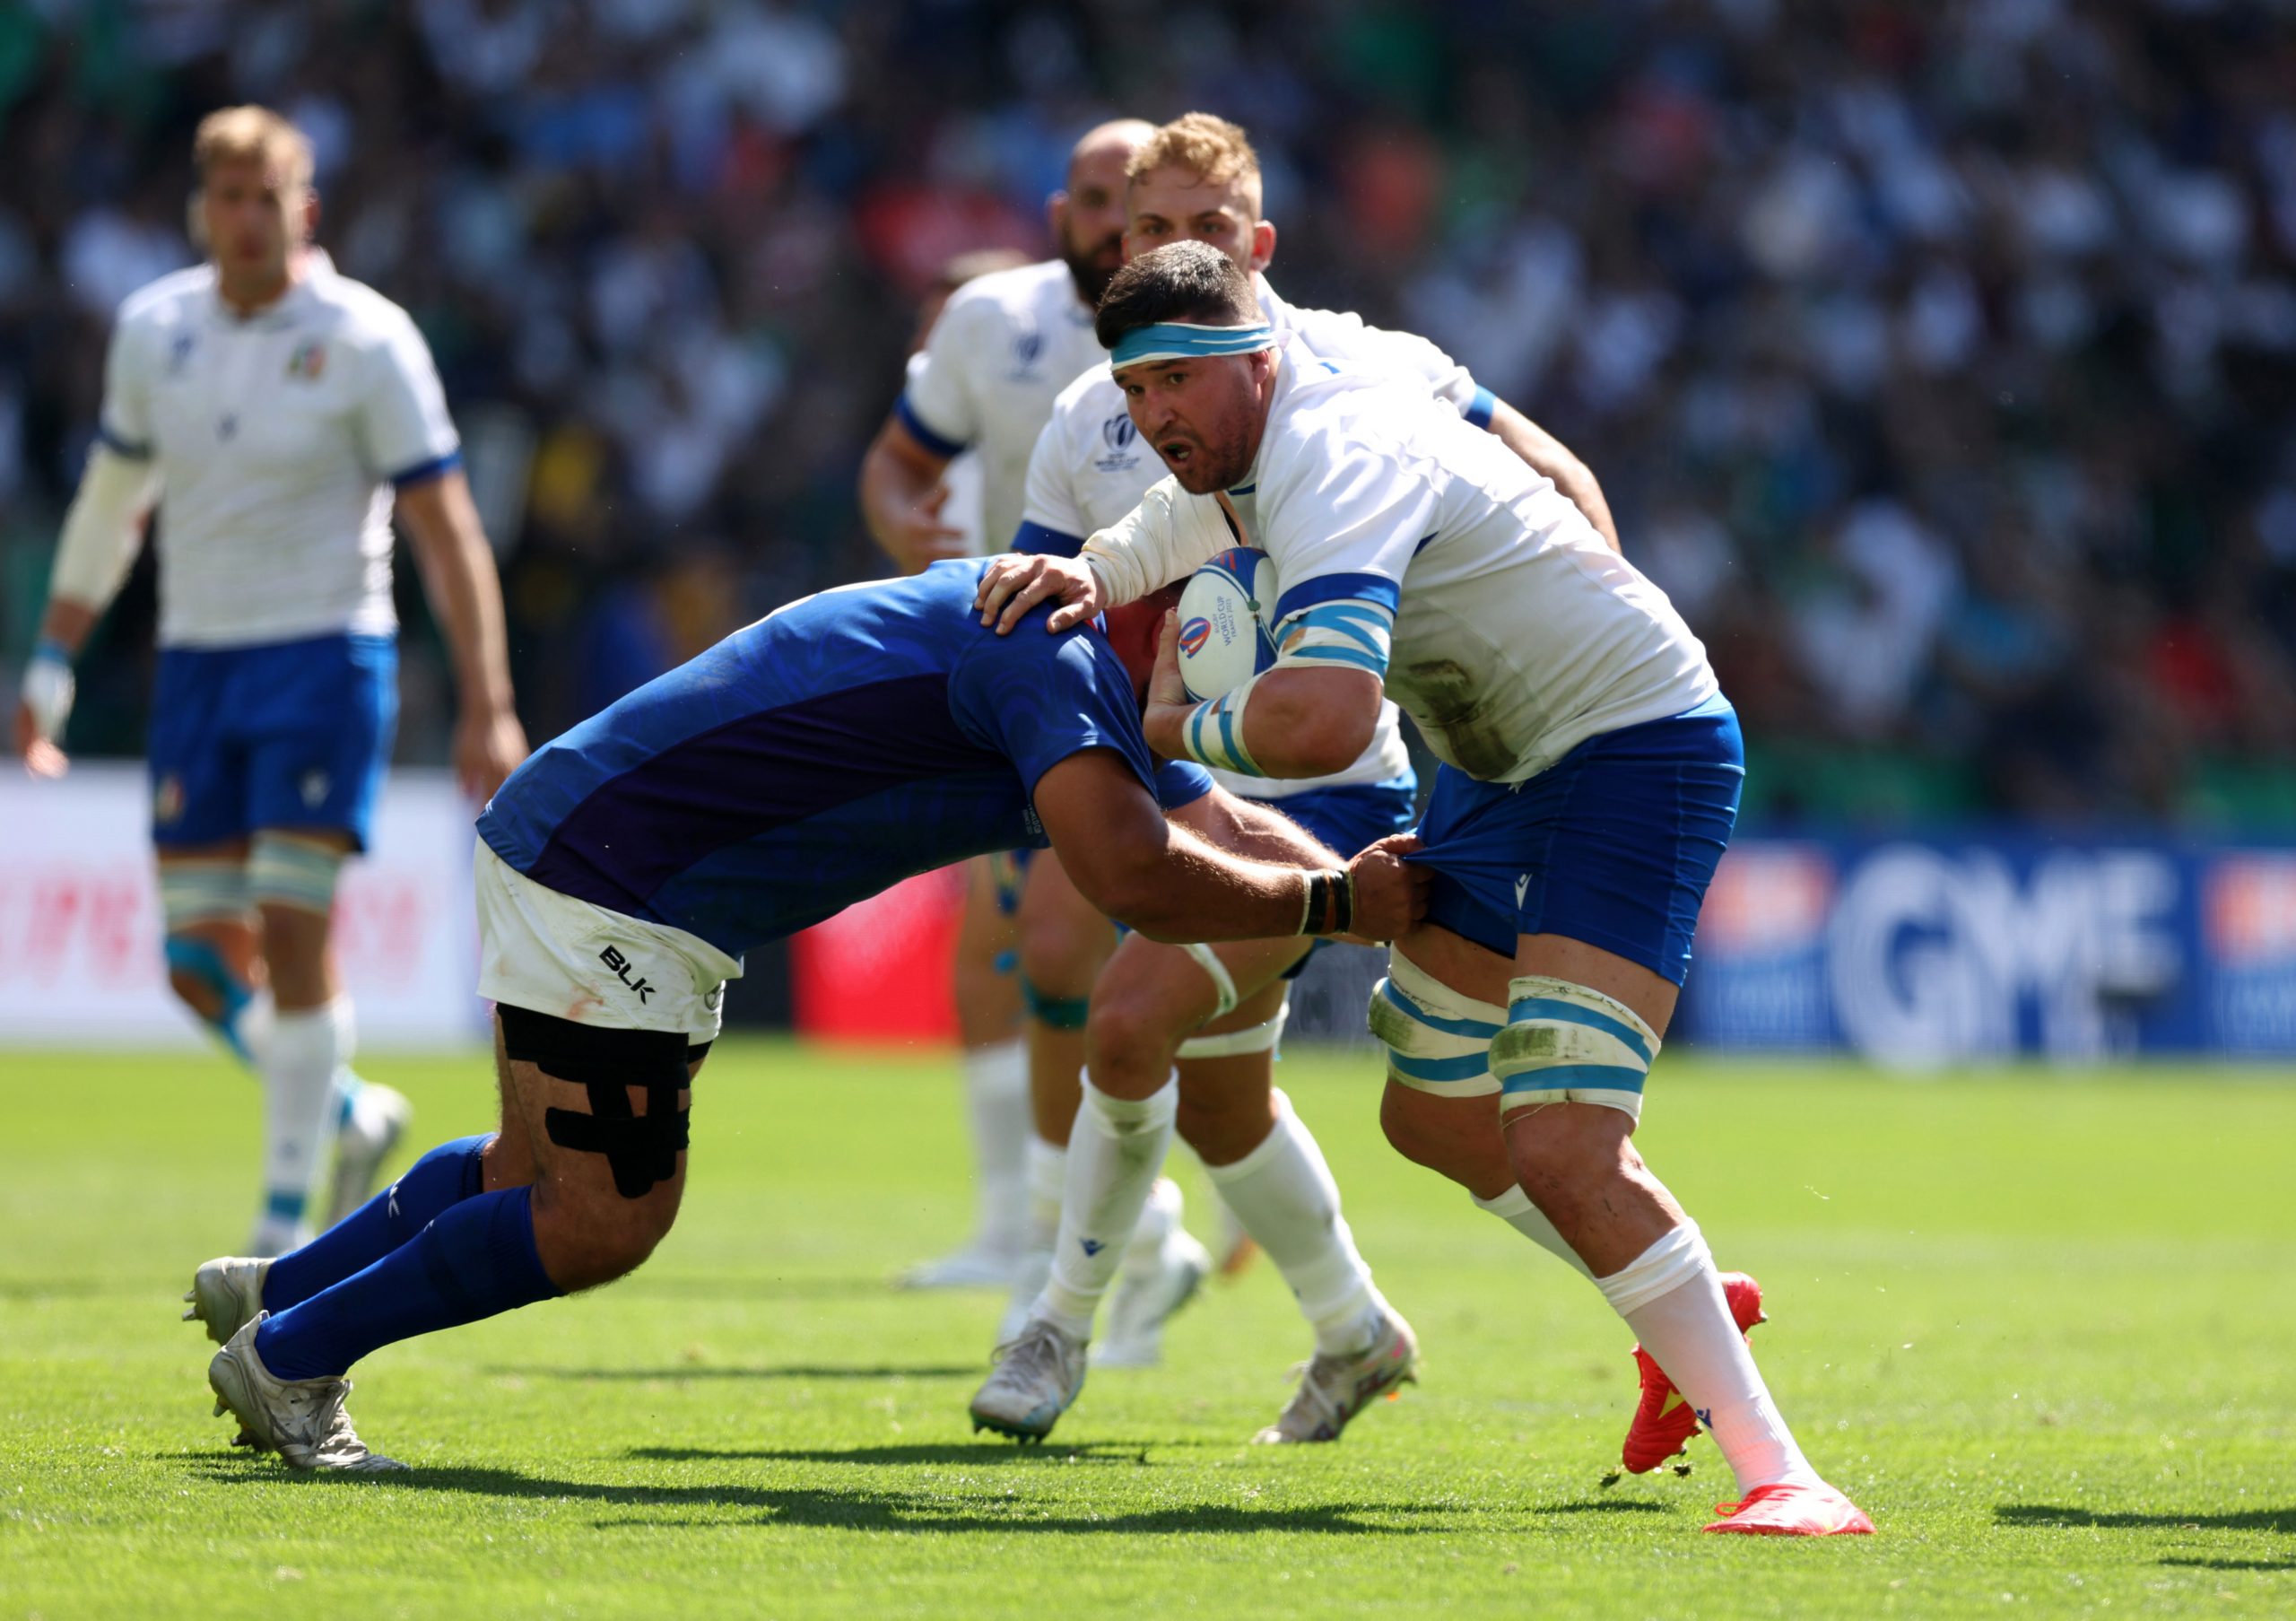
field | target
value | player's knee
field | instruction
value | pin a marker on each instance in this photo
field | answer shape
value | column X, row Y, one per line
column 1128, row 1028
column 1404, row 1120
column 203, row 904
column 1055, row 1009
column 1062, row 949
column 596, row 1237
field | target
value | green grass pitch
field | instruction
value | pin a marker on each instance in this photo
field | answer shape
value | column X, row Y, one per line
column 2041, row 1328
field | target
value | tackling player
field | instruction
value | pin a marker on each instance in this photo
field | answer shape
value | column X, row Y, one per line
column 280, row 415
column 808, row 760
column 1590, row 777
column 983, row 383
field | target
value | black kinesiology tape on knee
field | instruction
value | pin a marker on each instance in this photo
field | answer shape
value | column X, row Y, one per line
column 641, row 1150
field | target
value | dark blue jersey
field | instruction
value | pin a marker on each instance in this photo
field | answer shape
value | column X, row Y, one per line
column 819, row 756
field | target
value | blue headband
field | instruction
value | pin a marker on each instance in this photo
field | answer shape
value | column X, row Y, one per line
column 1184, row 341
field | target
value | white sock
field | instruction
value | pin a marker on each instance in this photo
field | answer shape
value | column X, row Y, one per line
column 1046, row 1166
column 299, row 1113
column 996, row 1100
column 1117, row 1148
column 1160, row 1218
column 1515, row 1208
column 1671, row 1296
column 1283, row 1194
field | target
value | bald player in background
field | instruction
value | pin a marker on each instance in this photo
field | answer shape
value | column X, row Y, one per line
column 978, row 391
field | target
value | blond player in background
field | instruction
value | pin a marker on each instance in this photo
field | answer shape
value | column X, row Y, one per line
column 278, row 415
column 976, row 394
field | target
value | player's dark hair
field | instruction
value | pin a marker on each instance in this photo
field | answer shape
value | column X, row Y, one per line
column 1178, row 282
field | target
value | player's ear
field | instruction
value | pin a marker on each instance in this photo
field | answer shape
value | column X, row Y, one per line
column 1262, row 244
column 310, row 214
column 195, row 220
column 1055, row 217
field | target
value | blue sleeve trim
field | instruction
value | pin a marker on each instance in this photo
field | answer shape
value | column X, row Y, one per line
column 1180, row 783
column 1339, row 588
column 1483, row 408
column 1356, row 657
column 906, row 414
column 1037, row 537
column 121, row 447
column 424, row 472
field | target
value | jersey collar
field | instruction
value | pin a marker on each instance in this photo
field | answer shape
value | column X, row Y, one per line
column 283, row 311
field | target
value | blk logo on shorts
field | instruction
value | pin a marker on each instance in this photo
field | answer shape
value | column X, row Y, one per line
column 614, row 960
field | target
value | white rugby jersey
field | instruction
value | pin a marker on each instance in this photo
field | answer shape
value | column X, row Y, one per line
column 1003, row 348
column 1089, row 468
column 278, row 438
column 1409, row 544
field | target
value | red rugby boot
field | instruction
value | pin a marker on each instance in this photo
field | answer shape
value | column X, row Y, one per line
column 1664, row 1423
column 1792, row 1511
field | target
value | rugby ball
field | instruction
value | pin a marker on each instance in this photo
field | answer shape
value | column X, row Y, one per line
column 1227, row 611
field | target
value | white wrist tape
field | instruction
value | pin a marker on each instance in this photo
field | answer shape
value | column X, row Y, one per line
column 46, row 690
column 101, row 531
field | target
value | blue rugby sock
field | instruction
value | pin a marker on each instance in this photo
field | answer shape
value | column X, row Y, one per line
column 445, row 1177
column 477, row 1260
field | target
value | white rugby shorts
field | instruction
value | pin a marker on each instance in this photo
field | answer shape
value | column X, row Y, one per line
column 550, row 953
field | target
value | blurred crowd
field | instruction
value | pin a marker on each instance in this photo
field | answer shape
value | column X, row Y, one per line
column 1940, row 360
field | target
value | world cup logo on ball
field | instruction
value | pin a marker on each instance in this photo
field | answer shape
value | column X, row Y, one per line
column 1225, row 635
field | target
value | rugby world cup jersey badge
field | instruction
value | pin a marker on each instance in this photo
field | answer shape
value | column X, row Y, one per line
column 307, row 362
column 1122, row 439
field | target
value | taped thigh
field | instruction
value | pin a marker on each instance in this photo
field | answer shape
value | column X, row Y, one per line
column 1262, row 1037
column 1566, row 1043
column 196, row 892
column 284, row 870
column 640, row 1150
column 1223, row 981
column 1438, row 1038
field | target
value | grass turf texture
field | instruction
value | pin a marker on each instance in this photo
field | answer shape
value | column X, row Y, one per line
column 2039, row 1328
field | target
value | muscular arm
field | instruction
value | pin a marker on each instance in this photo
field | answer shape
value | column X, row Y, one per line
column 1128, row 859
column 1253, row 830
column 458, row 577
column 1168, row 882
column 1544, row 453
column 901, row 493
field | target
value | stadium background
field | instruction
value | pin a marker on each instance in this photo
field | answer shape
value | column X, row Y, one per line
column 1941, row 363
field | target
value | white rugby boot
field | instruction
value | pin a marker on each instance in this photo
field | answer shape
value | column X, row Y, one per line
column 1140, row 1304
column 1038, row 1376
column 378, row 1119
column 1334, row 1390
column 303, row 1419
column 226, row 1294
